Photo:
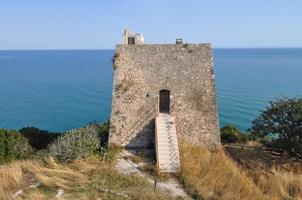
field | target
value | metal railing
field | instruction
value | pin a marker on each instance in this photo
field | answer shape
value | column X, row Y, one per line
column 152, row 112
column 148, row 115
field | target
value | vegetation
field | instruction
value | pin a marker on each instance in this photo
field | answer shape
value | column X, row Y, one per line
column 76, row 144
column 39, row 139
column 103, row 132
column 91, row 178
column 283, row 121
column 278, row 178
column 35, row 143
column 13, row 146
column 213, row 175
column 232, row 134
column 205, row 175
column 73, row 165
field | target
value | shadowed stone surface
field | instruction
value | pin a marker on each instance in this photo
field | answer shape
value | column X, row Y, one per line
column 141, row 71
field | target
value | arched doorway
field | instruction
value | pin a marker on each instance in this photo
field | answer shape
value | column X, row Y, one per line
column 164, row 101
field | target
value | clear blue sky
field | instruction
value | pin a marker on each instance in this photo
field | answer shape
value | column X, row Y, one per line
column 98, row 24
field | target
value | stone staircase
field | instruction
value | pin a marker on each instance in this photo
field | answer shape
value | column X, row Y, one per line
column 166, row 145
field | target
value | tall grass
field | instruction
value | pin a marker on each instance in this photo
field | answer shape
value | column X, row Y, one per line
column 281, row 185
column 212, row 175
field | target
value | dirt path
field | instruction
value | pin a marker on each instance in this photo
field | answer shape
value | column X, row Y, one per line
column 126, row 166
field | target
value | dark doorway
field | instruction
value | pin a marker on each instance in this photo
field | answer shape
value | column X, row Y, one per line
column 131, row 40
column 164, row 101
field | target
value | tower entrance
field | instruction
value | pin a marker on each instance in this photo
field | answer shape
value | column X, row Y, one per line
column 164, row 101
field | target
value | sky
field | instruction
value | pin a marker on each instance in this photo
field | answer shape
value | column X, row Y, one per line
column 98, row 24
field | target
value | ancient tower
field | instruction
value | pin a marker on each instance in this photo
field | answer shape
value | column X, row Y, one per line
column 175, row 80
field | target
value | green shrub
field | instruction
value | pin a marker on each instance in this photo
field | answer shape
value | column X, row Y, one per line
column 232, row 134
column 76, row 144
column 37, row 138
column 13, row 146
column 103, row 130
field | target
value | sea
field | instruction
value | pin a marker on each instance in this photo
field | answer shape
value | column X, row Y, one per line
column 59, row 90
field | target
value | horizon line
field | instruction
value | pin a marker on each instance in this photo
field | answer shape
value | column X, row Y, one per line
column 91, row 49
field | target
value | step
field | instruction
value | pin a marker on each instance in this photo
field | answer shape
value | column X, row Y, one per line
column 166, row 139
column 166, row 129
column 165, row 122
column 162, row 161
column 165, row 133
column 167, row 143
column 164, row 153
column 168, row 164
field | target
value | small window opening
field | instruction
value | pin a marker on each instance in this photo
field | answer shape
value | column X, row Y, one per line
column 131, row 40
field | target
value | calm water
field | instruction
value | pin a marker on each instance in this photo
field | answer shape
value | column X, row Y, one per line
column 61, row 90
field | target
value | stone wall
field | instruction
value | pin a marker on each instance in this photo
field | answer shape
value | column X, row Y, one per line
column 141, row 71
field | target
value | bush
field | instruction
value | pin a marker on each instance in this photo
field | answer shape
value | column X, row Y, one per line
column 103, row 130
column 76, row 144
column 13, row 146
column 230, row 134
column 37, row 138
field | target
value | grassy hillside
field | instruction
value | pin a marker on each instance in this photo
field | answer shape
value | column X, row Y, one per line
column 213, row 175
column 91, row 178
column 78, row 165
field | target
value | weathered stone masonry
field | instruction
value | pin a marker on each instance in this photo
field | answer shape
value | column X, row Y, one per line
column 142, row 71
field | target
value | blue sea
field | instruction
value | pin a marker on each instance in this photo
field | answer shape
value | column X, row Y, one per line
column 59, row 90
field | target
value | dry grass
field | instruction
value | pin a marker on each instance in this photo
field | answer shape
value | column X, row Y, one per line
column 134, row 158
column 206, row 175
column 282, row 185
column 83, row 179
column 11, row 176
column 212, row 175
column 277, row 177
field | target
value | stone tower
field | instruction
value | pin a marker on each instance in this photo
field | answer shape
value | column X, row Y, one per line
column 177, row 79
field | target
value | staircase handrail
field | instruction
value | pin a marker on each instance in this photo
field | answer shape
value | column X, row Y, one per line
column 146, row 115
